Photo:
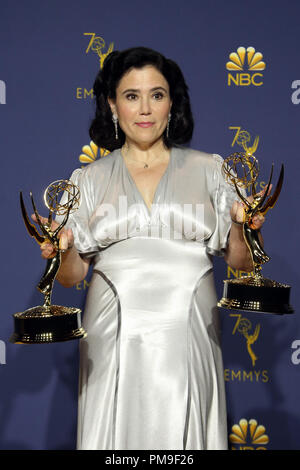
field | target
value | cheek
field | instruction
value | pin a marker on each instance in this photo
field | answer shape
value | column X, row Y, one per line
column 125, row 112
column 162, row 118
column 165, row 111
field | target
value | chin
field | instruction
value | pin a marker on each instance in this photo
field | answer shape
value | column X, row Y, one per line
column 145, row 141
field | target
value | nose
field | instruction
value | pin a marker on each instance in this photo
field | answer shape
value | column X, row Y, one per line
column 145, row 106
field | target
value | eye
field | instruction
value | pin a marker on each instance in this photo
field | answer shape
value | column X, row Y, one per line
column 131, row 96
column 158, row 95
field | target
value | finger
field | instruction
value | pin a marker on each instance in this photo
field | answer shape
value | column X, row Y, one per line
column 47, row 250
column 257, row 221
column 262, row 192
column 70, row 237
column 66, row 240
column 44, row 221
column 63, row 241
column 233, row 210
column 238, row 212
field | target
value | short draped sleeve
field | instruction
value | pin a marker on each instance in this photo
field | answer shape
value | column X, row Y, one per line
column 223, row 197
column 79, row 220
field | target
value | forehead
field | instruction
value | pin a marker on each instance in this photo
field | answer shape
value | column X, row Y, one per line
column 145, row 77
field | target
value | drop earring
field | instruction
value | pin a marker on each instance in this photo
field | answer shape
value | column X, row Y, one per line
column 115, row 121
column 168, row 125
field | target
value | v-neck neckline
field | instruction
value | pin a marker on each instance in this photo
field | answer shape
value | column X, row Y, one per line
column 137, row 191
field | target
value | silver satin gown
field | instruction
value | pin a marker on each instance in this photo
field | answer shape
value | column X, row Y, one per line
column 151, row 371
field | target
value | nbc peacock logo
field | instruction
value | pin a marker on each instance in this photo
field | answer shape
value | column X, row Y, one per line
column 241, row 63
column 248, row 435
column 91, row 152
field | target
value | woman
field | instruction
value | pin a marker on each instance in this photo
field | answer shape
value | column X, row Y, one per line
column 152, row 214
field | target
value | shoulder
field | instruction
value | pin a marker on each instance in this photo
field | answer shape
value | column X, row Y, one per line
column 98, row 170
column 198, row 158
column 103, row 164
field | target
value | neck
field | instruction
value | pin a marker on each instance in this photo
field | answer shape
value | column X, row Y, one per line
column 144, row 152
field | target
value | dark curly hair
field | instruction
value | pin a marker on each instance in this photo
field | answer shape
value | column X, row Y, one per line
column 102, row 130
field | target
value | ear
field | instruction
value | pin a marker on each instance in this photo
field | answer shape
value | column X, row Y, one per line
column 112, row 104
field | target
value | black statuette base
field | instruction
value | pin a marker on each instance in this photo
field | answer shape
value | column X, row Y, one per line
column 51, row 324
column 256, row 294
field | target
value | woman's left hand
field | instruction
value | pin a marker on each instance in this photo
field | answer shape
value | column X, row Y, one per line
column 238, row 213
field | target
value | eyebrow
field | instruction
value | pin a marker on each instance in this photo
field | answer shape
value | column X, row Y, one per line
column 136, row 90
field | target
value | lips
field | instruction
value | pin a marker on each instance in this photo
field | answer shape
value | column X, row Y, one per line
column 144, row 124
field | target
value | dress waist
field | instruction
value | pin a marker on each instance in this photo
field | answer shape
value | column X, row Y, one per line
column 153, row 271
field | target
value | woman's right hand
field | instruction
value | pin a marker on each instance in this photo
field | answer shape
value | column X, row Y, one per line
column 66, row 239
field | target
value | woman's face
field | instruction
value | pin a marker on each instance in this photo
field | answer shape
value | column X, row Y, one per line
column 142, row 105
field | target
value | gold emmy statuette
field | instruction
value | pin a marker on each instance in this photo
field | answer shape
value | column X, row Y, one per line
column 49, row 323
column 253, row 293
